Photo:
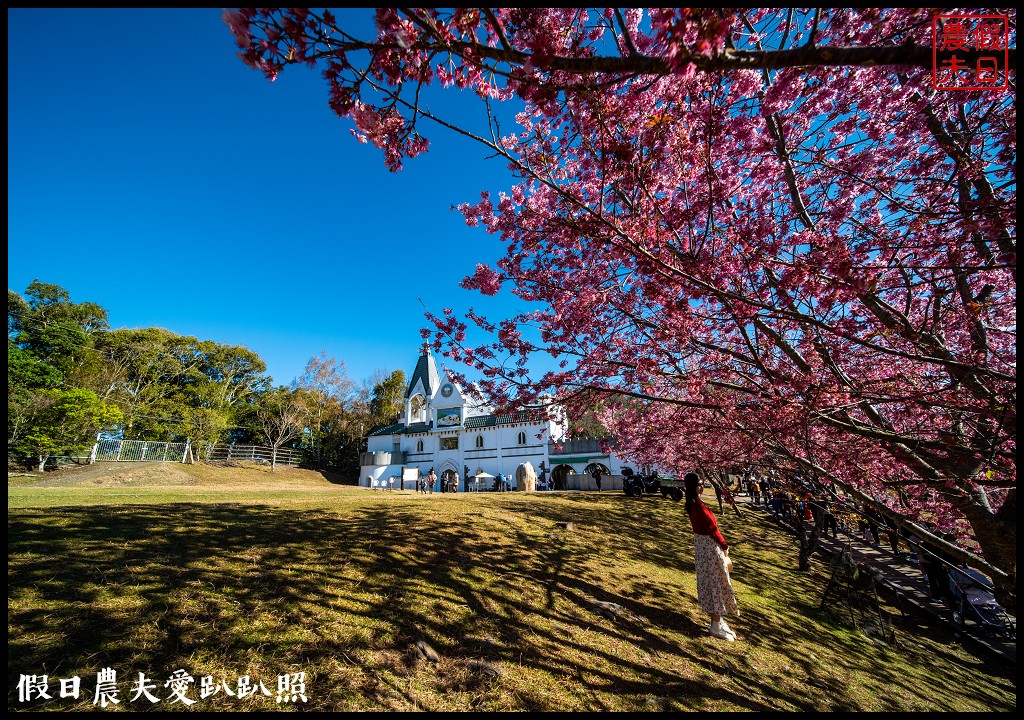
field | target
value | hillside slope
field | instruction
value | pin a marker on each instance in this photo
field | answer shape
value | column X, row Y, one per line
column 162, row 474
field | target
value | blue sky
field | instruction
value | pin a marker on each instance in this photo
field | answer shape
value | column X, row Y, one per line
column 150, row 171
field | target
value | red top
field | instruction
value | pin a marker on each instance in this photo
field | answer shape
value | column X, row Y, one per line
column 704, row 523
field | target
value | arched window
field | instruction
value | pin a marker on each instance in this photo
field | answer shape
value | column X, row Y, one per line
column 419, row 446
column 418, row 408
column 521, row 438
column 479, row 441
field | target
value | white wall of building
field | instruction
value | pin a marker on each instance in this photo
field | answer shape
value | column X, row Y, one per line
column 505, row 446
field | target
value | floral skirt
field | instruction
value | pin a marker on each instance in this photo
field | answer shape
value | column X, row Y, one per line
column 714, row 588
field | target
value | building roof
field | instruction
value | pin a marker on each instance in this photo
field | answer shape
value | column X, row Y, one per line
column 482, row 421
column 400, row 428
column 471, row 423
column 426, row 370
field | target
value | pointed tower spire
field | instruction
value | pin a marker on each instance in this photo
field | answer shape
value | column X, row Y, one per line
column 426, row 373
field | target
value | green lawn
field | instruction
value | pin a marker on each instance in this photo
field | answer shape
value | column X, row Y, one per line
column 241, row 573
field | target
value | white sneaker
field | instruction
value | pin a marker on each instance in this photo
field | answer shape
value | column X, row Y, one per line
column 719, row 630
column 725, row 626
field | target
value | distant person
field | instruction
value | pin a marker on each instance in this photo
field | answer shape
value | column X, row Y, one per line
column 892, row 532
column 787, row 507
column 597, row 478
column 937, row 564
column 727, row 496
column 711, row 561
column 871, row 515
column 829, row 523
column 809, row 505
column 917, row 551
column 431, row 479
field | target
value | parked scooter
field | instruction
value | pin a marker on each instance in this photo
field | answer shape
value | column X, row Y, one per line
column 638, row 485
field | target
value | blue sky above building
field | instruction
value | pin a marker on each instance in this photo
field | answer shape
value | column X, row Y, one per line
column 150, row 171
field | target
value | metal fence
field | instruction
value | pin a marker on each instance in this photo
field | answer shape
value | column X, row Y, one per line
column 253, row 453
column 115, row 450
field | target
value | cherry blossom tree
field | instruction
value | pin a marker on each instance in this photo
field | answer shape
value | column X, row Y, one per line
column 751, row 235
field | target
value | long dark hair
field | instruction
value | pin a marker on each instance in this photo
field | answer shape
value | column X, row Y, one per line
column 691, row 483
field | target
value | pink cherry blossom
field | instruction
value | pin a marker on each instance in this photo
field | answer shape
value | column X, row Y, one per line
column 765, row 238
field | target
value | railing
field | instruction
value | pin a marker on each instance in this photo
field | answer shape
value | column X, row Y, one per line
column 116, row 450
column 254, row 453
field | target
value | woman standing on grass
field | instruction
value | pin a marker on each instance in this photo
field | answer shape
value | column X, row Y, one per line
column 711, row 560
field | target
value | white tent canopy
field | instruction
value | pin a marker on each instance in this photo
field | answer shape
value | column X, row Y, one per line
column 481, row 474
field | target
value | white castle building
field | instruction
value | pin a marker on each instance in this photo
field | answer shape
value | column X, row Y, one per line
column 443, row 430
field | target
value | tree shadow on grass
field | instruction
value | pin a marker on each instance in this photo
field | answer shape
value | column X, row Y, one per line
column 232, row 590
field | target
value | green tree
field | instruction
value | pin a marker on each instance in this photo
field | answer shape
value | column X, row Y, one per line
column 25, row 370
column 234, row 370
column 142, row 375
column 167, row 386
column 174, row 387
column 55, row 330
column 387, row 398
column 202, row 423
column 66, row 421
column 26, row 376
column 49, row 346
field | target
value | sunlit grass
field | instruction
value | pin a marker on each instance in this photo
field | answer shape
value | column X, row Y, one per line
column 227, row 572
